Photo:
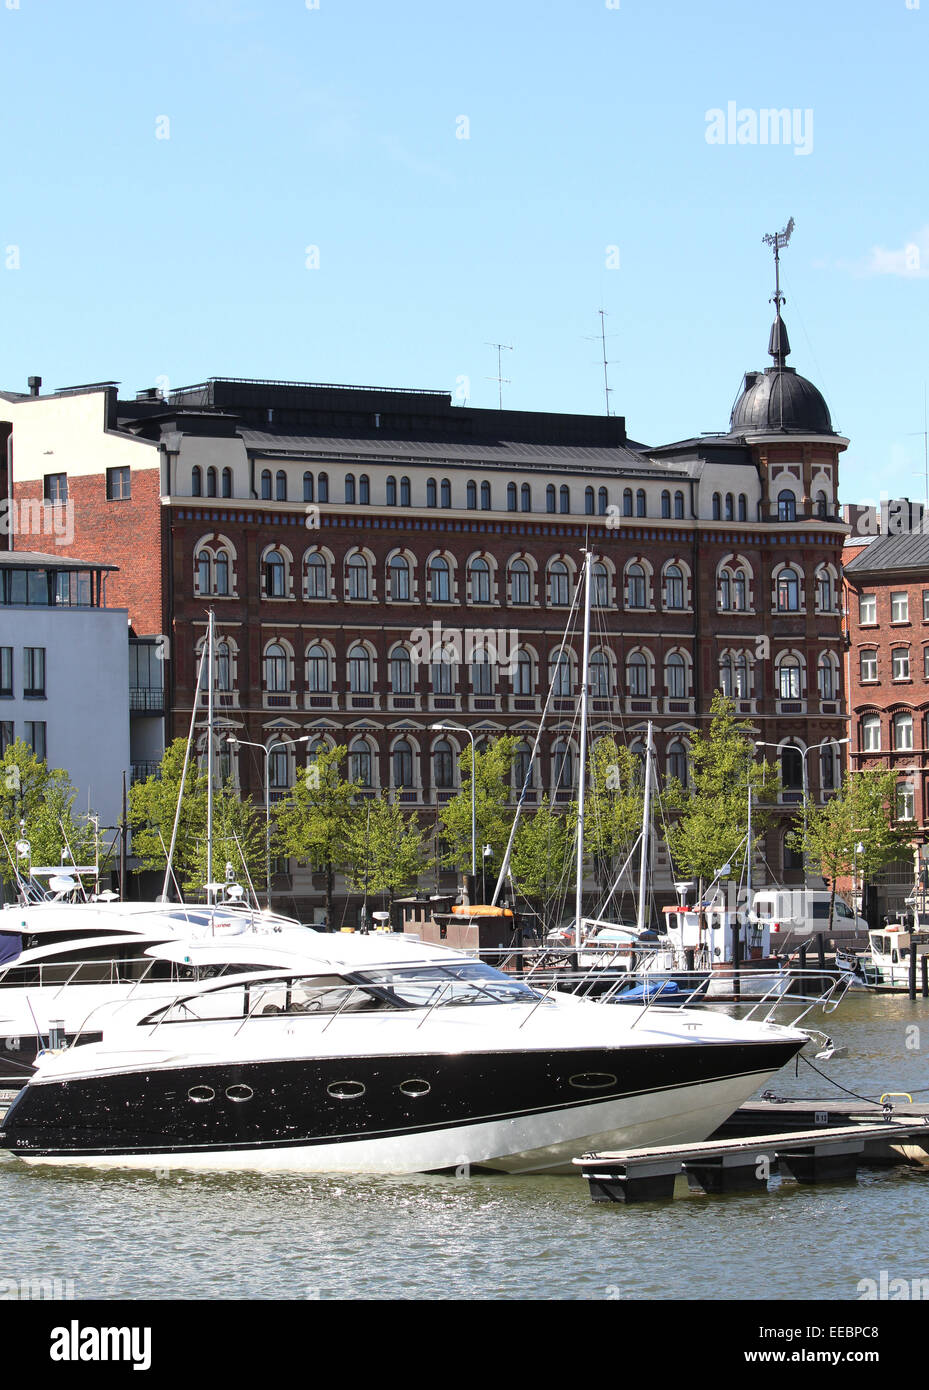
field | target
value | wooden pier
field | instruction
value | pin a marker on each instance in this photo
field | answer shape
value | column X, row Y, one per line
column 829, row 1151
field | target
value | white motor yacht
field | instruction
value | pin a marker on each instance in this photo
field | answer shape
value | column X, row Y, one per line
column 382, row 1055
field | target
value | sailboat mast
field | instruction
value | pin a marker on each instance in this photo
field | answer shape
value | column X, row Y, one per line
column 646, row 829
column 582, row 779
column 209, row 764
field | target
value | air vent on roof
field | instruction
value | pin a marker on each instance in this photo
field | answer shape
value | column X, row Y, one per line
column 35, row 385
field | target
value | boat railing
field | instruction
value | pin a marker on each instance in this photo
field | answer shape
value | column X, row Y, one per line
column 45, row 974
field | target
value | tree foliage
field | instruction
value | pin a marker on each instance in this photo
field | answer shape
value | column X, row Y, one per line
column 613, row 806
column 41, row 798
column 314, row 820
column 385, row 848
column 493, row 813
column 542, row 853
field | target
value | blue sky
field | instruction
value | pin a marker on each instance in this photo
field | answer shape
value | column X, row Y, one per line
column 128, row 255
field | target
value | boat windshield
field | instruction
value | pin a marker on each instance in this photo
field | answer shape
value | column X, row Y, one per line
column 444, row 985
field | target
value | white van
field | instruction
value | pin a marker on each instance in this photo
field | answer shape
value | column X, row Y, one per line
column 803, row 912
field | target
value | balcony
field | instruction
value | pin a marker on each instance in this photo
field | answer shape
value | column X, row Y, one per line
column 146, row 699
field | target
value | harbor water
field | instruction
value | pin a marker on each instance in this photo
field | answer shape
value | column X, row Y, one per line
column 487, row 1237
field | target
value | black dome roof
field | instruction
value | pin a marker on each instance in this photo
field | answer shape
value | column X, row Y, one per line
column 777, row 399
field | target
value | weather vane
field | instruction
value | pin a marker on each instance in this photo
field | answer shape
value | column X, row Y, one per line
column 778, row 240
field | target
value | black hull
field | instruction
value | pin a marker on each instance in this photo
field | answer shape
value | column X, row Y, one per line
column 326, row 1101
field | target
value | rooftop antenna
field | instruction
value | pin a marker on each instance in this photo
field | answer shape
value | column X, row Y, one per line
column 500, row 379
column 607, row 388
column 925, row 437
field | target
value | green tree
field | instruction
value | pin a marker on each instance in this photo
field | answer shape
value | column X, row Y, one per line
column 613, row 806
column 861, row 812
column 385, row 848
column 237, row 825
column 42, row 798
column 712, row 822
column 313, row 821
column 542, row 853
column 493, row 813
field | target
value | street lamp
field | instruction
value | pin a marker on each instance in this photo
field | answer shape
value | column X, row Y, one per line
column 804, row 754
column 460, row 729
column 234, row 741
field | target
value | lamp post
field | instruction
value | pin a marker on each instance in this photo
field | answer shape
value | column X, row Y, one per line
column 460, row 729
column 234, row 741
column 804, row 754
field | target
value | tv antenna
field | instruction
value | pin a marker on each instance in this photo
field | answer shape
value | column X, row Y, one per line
column 607, row 388
column 500, row 379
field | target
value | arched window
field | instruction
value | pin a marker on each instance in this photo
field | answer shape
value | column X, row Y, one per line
column 637, row 681
column 317, row 670
column 673, row 587
column 196, row 481
column 599, row 676
column 223, row 666
column 479, row 574
column 665, row 503
column 678, row 506
column 227, row 482
column 788, row 591
column 391, row 491
column 588, row 501
column 564, row 498
column 522, row 764
column 266, row 485
column 357, row 572
column 522, row 676
column 350, row 489
column 558, row 584
column 401, row 672
column 743, row 507
column 443, row 764
column 627, row 501
column 677, row 762
column 789, row 678
column 308, row 487
column 519, row 582
column 559, row 673
column 280, row 493
column 821, row 506
column 525, row 498
column 471, row 491
column 364, row 490
column 717, row 507
column 640, row 509
column 439, row 581
column 211, row 482
column 903, row 732
column 482, row 672
column 446, row 493
column 675, row 675
column 443, row 673
column 404, row 492
column 871, row 733
column 600, row 586
column 562, row 765
column 402, row 764
column 275, row 664
column 485, row 497
column 275, row 575
column 399, row 576
column 824, row 591
column 432, row 495
column 791, row 768
column 550, row 499
column 322, row 488
column 636, row 587
column 359, row 762
column 359, row 670
column 730, row 507
column 602, row 501
column 204, row 585
column 511, row 497
column 317, row 577
column 733, row 675
column 826, row 678
column 786, row 505
column 222, row 573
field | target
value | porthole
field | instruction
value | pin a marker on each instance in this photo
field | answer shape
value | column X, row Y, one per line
column 345, row 1090
column 239, row 1092
column 592, row 1080
column 415, row 1087
column 199, row 1094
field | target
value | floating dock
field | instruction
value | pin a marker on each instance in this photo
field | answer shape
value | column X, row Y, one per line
column 809, row 1141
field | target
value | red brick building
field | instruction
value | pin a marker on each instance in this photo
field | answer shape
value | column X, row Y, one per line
column 330, row 529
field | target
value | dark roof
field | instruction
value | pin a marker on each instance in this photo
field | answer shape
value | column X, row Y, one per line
column 32, row 559
column 479, row 453
column 909, row 551
column 776, row 400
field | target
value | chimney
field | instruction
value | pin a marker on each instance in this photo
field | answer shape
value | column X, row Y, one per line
column 35, row 385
